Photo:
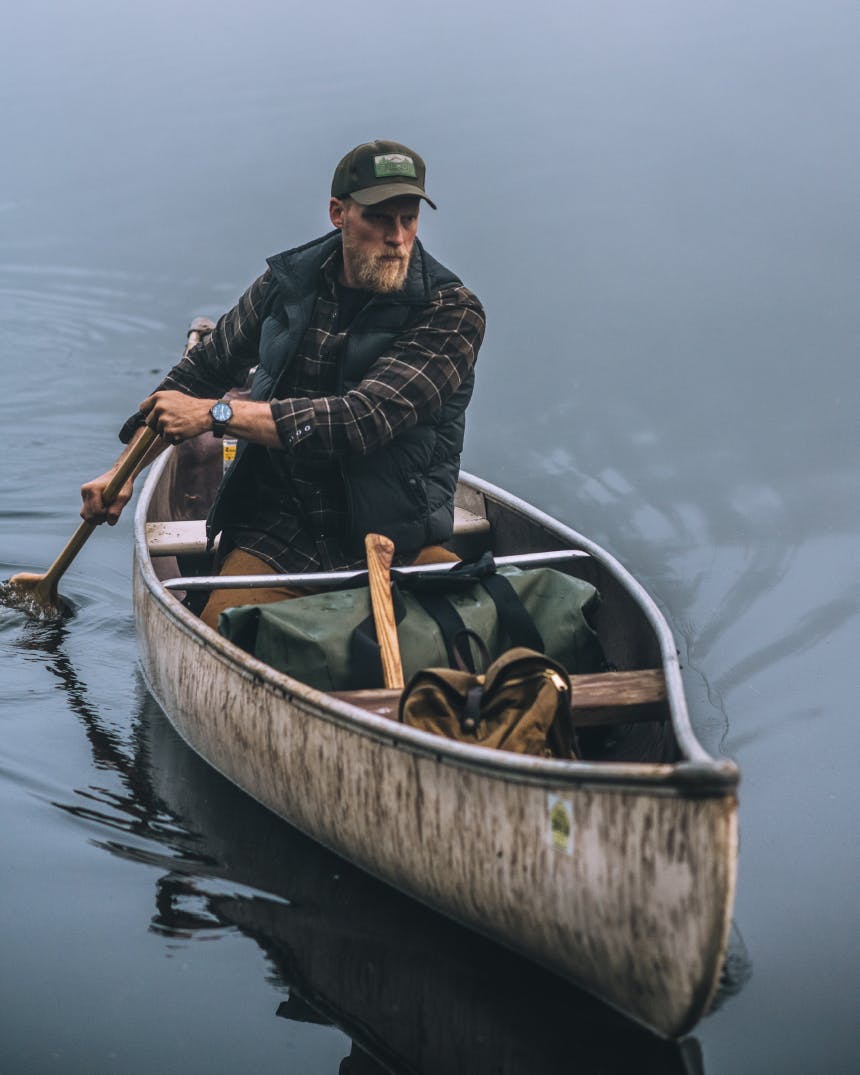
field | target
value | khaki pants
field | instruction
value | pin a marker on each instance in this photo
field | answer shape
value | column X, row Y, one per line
column 239, row 562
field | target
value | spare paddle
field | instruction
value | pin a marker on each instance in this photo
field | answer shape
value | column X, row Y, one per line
column 380, row 553
column 38, row 593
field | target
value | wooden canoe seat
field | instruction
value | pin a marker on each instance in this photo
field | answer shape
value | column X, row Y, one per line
column 186, row 538
column 597, row 699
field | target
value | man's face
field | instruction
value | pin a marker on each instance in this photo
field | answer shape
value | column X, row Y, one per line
column 377, row 241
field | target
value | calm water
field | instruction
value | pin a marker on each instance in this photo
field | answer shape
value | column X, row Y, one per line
column 658, row 205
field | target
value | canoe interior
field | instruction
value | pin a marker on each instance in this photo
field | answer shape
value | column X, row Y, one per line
column 629, row 641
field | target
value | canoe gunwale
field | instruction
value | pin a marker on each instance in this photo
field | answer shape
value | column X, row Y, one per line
column 687, row 741
column 697, row 776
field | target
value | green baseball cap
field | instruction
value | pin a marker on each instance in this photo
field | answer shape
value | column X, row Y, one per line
column 375, row 171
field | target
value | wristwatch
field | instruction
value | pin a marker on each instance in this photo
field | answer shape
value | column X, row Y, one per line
column 221, row 413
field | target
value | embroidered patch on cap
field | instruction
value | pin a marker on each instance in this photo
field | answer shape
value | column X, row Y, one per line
column 387, row 164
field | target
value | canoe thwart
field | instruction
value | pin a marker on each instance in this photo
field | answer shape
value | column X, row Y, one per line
column 334, row 578
column 599, row 698
column 185, row 538
column 189, row 536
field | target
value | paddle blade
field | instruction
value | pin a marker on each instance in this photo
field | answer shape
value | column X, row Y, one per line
column 38, row 593
column 33, row 594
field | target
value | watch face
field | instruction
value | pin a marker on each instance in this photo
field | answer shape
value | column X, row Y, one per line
column 222, row 412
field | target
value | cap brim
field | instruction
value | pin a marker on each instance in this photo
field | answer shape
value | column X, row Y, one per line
column 385, row 191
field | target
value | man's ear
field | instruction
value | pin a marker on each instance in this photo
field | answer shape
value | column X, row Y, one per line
column 336, row 212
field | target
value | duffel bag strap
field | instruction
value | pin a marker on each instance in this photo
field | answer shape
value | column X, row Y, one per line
column 458, row 578
column 450, row 623
column 514, row 617
column 462, row 653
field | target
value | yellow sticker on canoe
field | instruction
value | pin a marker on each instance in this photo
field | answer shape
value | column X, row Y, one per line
column 228, row 451
column 560, row 829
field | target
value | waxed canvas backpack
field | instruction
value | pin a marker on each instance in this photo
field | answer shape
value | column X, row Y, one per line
column 520, row 703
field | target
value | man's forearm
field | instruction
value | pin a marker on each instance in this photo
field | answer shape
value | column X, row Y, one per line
column 253, row 421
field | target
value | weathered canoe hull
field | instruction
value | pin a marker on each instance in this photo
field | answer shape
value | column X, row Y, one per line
column 632, row 904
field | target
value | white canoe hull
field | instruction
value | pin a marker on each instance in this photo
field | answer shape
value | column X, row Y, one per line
column 618, row 876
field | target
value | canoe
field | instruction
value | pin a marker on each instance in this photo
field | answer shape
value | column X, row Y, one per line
column 616, row 871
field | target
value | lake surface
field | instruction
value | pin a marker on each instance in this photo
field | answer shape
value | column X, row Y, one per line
column 658, row 205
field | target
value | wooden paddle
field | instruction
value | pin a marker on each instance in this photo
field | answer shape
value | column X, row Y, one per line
column 40, row 591
column 380, row 553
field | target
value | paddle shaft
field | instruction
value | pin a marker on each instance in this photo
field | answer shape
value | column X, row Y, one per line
column 124, row 471
column 380, row 552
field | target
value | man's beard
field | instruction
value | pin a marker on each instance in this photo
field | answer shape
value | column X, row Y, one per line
column 376, row 272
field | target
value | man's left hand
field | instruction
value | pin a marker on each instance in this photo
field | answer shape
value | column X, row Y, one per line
column 176, row 417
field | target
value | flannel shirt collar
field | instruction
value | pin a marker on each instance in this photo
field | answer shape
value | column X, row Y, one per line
column 330, row 270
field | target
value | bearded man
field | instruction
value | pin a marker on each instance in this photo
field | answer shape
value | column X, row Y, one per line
column 363, row 348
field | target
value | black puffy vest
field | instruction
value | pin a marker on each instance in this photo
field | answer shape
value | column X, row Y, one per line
column 406, row 488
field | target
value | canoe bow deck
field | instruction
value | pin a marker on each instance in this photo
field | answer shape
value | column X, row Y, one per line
column 616, row 872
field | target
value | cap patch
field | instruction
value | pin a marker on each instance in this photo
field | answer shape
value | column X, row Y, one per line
column 388, row 164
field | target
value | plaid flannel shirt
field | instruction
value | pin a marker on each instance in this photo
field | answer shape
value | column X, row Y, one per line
column 291, row 513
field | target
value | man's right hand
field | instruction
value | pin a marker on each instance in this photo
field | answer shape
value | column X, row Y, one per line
column 94, row 509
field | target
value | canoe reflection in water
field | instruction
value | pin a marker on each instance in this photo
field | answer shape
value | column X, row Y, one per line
column 415, row 992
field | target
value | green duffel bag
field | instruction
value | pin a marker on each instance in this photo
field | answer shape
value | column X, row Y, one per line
column 328, row 641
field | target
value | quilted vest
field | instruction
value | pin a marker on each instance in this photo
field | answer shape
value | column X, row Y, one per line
column 405, row 489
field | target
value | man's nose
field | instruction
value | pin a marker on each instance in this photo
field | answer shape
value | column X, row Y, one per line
column 395, row 234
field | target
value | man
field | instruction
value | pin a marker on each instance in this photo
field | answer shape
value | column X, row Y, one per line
column 364, row 348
